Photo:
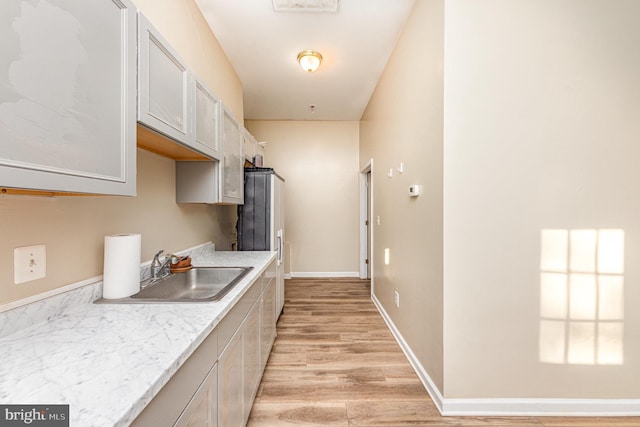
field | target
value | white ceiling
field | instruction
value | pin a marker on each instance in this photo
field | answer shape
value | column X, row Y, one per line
column 263, row 45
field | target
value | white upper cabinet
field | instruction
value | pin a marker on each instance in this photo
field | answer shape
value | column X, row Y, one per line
column 260, row 151
column 249, row 146
column 207, row 107
column 171, row 99
column 164, row 95
column 232, row 189
column 215, row 182
column 68, row 96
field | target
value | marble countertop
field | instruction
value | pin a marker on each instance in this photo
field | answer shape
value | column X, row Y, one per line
column 107, row 361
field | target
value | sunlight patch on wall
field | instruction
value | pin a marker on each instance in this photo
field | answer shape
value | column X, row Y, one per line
column 582, row 296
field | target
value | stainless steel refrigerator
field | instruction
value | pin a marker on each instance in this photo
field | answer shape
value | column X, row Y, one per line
column 261, row 220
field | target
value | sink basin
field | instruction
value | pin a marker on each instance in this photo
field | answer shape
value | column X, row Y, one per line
column 200, row 284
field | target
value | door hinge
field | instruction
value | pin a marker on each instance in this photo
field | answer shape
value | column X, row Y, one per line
column 366, row 222
column 366, row 261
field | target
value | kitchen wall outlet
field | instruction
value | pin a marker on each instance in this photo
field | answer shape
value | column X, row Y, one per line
column 396, row 298
column 29, row 263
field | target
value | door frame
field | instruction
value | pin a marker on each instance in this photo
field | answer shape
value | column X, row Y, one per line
column 366, row 193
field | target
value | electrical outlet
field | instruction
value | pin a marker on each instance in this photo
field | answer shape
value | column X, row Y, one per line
column 29, row 263
column 396, row 298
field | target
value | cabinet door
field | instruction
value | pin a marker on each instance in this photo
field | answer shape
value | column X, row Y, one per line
column 206, row 116
column 67, row 96
column 249, row 144
column 260, row 151
column 252, row 357
column 202, row 410
column 164, row 95
column 232, row 162
column 268, row 322
column 231, row 383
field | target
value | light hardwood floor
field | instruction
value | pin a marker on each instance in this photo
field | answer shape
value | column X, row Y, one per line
column 335, row 363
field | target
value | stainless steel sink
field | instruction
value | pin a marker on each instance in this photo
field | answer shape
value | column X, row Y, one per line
column 200, row 284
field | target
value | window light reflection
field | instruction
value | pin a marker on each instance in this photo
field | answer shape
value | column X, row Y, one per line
column 582, row 296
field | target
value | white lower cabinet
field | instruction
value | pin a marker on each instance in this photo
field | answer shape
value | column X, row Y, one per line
column 241, row 369
column 251, row 356
column 202, row 410
column 268, row 328
column 216, row 386
column 230, row 383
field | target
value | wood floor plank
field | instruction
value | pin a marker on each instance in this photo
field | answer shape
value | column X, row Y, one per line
column 313, row 376
column 340, row 392
column 298, row 414
column 335, row 363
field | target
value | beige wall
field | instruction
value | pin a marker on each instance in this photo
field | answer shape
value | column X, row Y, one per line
column 319, row 162
column 542, row 100
column 536, row 128
column 73, row 228
column 403, row 124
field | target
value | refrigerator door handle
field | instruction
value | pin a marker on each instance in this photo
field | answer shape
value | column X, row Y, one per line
column 279, row 249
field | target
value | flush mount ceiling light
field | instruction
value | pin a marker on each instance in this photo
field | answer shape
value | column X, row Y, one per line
column 305, row 5
column 309, row 60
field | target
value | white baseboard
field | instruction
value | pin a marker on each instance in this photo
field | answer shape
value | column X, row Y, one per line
column 543, row 407
column 426, row 380
column 287, row 276
column 507, row 406
column 320, row 274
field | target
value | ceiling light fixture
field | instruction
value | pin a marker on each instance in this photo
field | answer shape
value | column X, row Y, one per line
column 305, row 5
column 309, row 60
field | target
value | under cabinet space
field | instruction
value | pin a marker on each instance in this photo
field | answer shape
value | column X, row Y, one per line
column 198, row 182
column 155, row 142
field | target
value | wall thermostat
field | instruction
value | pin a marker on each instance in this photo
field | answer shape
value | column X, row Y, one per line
column 415, row 190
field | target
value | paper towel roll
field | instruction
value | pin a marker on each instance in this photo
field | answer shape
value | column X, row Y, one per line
column 121, row 266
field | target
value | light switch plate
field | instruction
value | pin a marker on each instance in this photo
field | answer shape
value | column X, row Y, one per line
column 29, row 263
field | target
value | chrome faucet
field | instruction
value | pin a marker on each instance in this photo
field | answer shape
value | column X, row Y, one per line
column 157, row 266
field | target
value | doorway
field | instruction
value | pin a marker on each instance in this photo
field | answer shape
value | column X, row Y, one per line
column 366, row 213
